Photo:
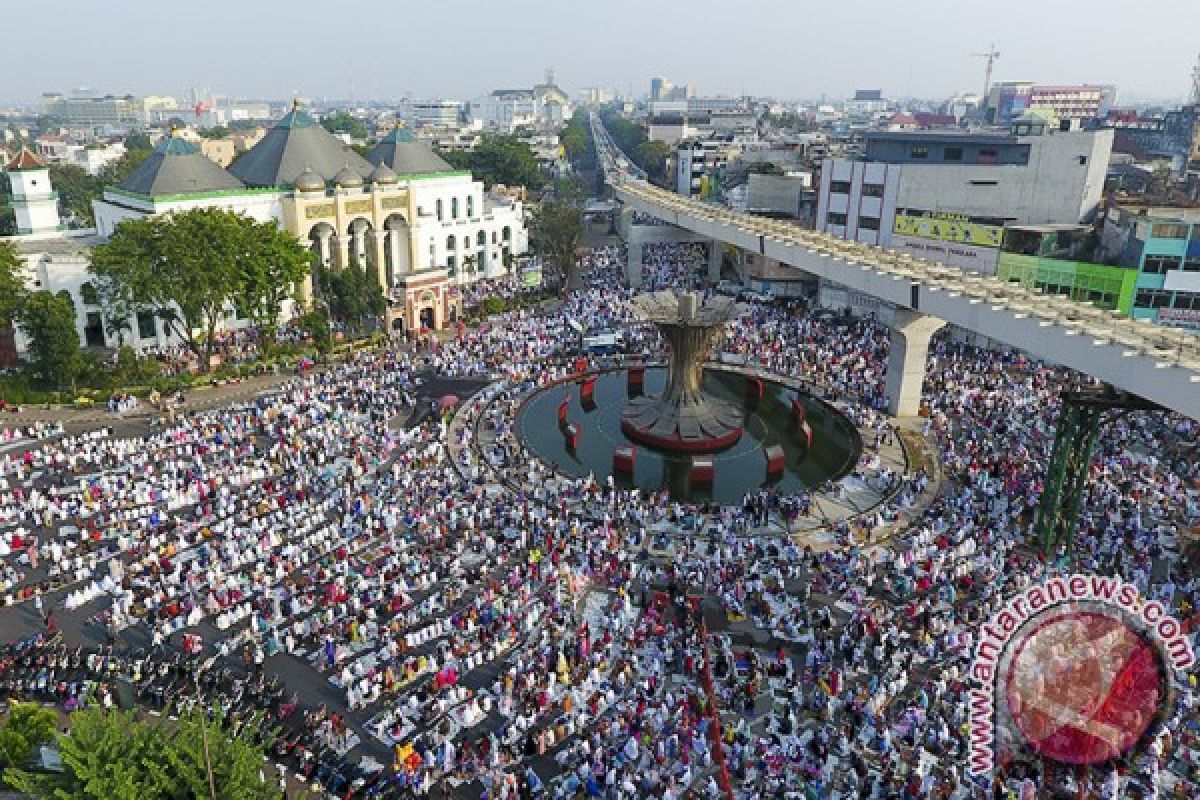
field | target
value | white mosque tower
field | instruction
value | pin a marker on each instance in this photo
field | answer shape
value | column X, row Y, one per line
column 33, row 198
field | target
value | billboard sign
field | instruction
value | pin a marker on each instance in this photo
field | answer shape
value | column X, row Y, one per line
column 947, row 227
column 965, row 256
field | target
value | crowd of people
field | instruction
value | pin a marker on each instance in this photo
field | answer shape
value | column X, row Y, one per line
column 493, row 627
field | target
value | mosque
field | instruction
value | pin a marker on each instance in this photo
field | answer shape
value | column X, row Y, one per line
column 424, row 227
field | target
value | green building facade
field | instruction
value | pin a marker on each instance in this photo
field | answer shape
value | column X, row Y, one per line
column 1106, row 287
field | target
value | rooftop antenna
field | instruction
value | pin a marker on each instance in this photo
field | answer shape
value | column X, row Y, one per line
column 991, row 55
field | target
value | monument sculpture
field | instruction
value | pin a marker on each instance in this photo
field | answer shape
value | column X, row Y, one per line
column 684, row 419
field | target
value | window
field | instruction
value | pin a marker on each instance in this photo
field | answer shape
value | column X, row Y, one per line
column 454, row 208
column 868, row 223
column 1152, row 298
column 836, row 219
column 1189, row 301
column 439, row 209
column 918, row 151
column 1082, row 161
column 983, row 183
column 952, row 154
column 450, row 264
column 1192, row 264
column 840, row 187
column 481, row 238
column 89, row 295
column 450, row 242
column 146, row 326
column 1157, row 265
column 872, row 190
column 470, row 206
column 1169, row 230
column 988, row 155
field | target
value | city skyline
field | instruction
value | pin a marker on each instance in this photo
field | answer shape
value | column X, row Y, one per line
column 512, row 45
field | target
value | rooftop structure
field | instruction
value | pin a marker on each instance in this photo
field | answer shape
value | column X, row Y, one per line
column 296, row 144
column 176, row 167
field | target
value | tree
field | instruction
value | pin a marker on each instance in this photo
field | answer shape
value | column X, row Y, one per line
column 555, row 229
column 316, row 324
column 138, row 141
column 275, row 262
column 27, row 726
column 48, row 320
column 352, row 295
column 186, row 267
column 499, row 158
column 76, row 191
column 115, row 172
column 344, row 122
column 651, row 155
column 111, row 755
column 217, row 132
column 12, row 286
column 8, row 217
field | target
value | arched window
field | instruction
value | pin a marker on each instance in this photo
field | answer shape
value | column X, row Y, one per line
column 470, row 206
column 89, row 295
column 453, row 208
column 439, row 209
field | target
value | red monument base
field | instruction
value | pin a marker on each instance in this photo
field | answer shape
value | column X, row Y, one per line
column 703, row 469
column 571, row 435
column 776, row 460
column 624, row 459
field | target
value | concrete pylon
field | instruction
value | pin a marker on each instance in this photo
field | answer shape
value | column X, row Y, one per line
column 911, row 332
column 633, row 264
column 716, row 256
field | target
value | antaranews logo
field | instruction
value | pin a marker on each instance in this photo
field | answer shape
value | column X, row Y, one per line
column 1075, row 670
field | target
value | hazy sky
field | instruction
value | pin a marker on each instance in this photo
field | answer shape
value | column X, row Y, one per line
column 792, row 49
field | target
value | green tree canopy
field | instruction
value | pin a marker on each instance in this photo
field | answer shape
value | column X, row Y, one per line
column 138, row 141
column 500, row 158
column 275, row 263
column 76, row 191
column 352, row 295
column 555, row 230
column 576, row 139
column 27, row 726
column 345, row 122
column 111, row 755
column 217, row 132
column 190, row 267
column 48, row 320
column 116, row 172
column 12, row 286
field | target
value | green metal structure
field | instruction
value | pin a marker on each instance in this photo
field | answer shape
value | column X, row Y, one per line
column 1083, row 412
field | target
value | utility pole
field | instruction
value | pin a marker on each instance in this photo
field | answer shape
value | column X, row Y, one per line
column 991, row 55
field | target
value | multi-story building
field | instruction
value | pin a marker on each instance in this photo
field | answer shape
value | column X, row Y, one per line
column 947, row 194
column 432, row 113
column 698, row 166
column 1009, row 100
column 101, row 114
column 1163, row 245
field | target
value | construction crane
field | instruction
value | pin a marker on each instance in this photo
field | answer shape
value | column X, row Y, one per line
column 991, row 55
